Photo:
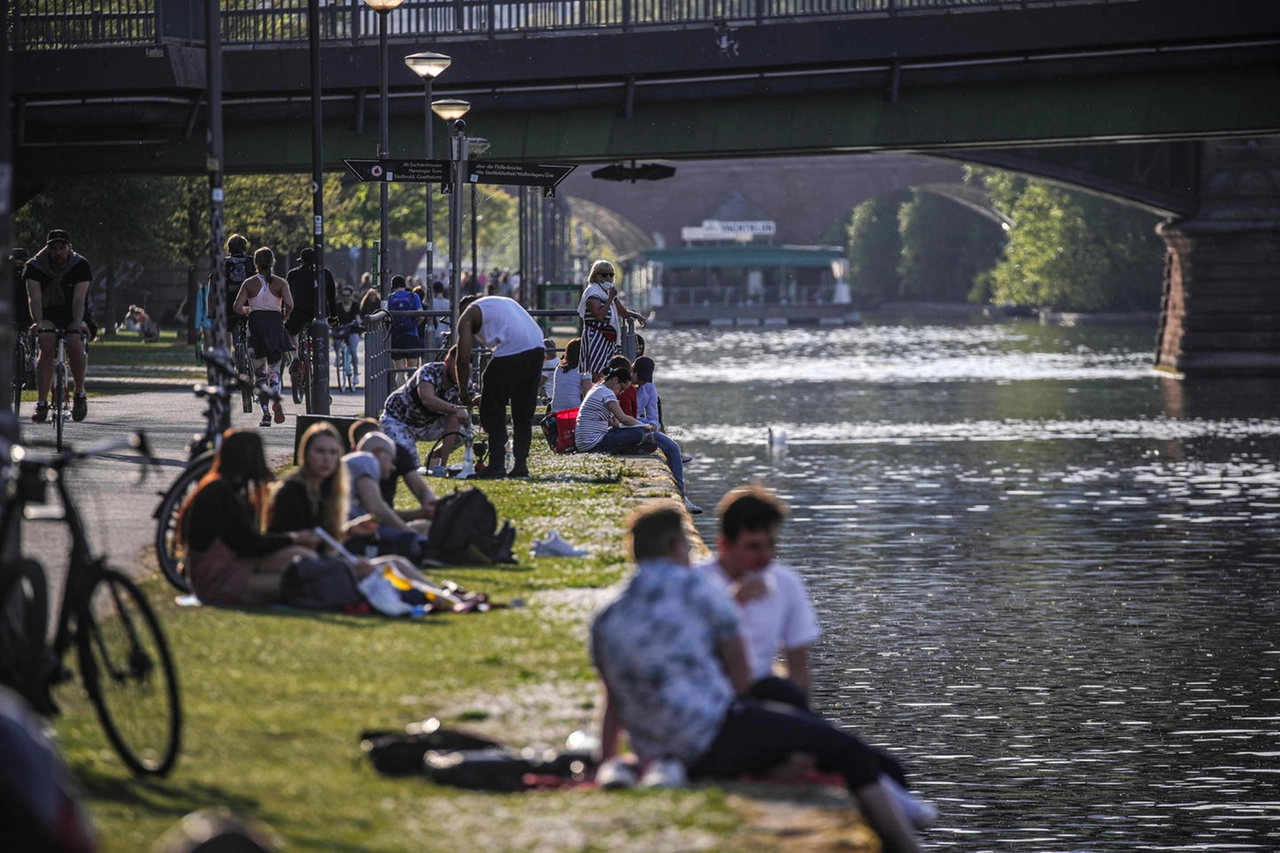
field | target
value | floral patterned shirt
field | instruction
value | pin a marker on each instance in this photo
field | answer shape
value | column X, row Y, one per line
column 656, row 646
column 401, row 406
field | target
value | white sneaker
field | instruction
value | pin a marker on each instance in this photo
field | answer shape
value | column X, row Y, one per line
column 920, row 812
column 554, row 545
column 692, row 507
column 614, row 774
column 665, row 773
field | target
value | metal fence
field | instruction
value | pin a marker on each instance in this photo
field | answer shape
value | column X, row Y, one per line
column 61, row 24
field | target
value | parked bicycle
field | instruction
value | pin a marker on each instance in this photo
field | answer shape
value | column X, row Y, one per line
column 243, row 364
column 345, row 355
column 122, row 655
column 200, row 455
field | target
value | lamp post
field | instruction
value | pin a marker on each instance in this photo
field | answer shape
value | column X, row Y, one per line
column 383, row 8
column 429, row 66
column 452, row 110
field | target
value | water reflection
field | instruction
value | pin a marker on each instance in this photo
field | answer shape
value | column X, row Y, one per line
column 1048, row 578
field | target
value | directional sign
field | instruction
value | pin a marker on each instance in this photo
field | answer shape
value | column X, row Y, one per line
column 414, row 171
column 545, row 175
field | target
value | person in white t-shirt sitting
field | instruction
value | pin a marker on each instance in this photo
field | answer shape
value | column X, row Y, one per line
column 602, row 427
column 777, row 614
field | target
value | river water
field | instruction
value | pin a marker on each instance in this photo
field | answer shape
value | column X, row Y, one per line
column 1048, row 579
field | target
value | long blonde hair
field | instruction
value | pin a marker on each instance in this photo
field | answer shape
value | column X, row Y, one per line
column 328, row 496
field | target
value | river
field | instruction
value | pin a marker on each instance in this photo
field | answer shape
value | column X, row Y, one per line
column 1048, row 578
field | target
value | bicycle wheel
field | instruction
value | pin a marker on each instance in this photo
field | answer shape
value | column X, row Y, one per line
column 24, row 621
column 129, row 674
column 166, row 516
column 59, row 401
column 19, row 375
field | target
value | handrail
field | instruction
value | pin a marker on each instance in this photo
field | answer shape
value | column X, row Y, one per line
column 66, row 24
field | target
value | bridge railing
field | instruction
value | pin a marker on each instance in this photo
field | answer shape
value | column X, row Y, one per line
column 61, row 24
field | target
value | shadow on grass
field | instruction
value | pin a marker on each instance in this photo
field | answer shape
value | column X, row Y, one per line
column 164, row 796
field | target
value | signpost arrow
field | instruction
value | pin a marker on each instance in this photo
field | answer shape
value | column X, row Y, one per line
column 545, row 175
column 413, row 171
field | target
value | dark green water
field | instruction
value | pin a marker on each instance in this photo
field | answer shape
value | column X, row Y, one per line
column 1049, row 580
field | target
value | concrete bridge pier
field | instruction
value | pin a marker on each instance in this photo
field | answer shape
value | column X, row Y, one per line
column 1221, row 306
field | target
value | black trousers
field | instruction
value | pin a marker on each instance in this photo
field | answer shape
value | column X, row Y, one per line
column 511, row 379
column 756, row 737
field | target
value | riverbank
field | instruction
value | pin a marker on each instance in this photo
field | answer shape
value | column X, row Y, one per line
column 275, row 701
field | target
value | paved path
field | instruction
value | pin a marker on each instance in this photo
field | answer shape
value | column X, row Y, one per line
column 116, row 509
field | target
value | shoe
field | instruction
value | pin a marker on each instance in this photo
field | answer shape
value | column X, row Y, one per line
column 614, row 774
column 278, row 411
column 520, row 472
column 266, row 420
column 665, row 773
column 686, row 458
column 554, row 545
column 491, row 473
column 79, row 407
column 41, row 414
column 692, row 507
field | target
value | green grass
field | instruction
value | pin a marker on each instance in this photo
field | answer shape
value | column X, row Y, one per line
column 274, row 702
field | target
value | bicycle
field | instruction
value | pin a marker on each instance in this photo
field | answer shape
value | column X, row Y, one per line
column 122, row 655
column 300, row 369
column 24, row 371
column 345, row 360
column 200, row 456
column 60, row 405
column 243, row 366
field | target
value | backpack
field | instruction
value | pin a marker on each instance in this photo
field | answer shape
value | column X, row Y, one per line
column 320, row 583
column 404, row 300
column 464, row 530
column 236, row 268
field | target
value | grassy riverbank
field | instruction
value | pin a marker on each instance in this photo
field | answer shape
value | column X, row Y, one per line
column 275, row 701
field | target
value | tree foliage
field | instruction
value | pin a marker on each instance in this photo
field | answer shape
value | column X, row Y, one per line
column 1072, row 251
column 945, row 246
column 874, row 248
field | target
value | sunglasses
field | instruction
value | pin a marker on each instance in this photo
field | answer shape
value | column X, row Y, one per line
column 606, row 275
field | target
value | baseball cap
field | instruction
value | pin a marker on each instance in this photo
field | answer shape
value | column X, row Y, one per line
column 307, row 255
column 19, row 254
column 57, row 235
column 548, row 343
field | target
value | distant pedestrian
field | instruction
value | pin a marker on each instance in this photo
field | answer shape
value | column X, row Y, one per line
column 406, row 335
column 602, row 313
column 265, row 299
column 236, row 267
column 512, row 376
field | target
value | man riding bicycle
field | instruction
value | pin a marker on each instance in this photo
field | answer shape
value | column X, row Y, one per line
column 57, row 281
column 236, row 267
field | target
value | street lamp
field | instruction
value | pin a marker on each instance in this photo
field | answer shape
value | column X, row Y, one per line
column 383, row 8
column 452, row 110
column 429, row 66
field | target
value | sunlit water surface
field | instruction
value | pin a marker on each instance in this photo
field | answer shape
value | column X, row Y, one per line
column 1048, row 579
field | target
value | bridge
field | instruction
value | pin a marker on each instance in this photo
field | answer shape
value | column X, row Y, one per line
column 1038, row 86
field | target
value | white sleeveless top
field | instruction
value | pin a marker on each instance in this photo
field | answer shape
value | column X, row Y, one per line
column 265, row 300
column 506, row 328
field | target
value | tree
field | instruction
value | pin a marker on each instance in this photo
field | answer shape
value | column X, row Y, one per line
column 945, row 246
column 874, row 248
column 1071, row 251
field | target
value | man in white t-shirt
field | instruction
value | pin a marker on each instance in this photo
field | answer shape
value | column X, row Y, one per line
column 777, row 615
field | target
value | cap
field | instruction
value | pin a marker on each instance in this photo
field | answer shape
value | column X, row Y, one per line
column 57, row 235
column 19, row 254
column 307, row 255
column 548, row 343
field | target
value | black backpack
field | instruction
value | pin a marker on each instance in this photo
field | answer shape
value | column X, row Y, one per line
column 465, row 530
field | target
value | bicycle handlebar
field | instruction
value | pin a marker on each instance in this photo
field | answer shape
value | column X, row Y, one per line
column 136, row 441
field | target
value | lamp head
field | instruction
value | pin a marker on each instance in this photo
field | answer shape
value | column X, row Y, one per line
column 427, row 65
column 450, row 109
column 382, row 6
